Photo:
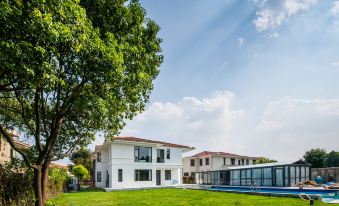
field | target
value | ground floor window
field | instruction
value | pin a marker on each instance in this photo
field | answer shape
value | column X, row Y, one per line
column 98, row 176
column 143, row 175
column 168, row 174
column 185, row 173
column 119, row 175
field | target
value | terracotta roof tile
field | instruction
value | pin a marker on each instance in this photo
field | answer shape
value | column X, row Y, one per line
column 204, row 153
column 166, row 144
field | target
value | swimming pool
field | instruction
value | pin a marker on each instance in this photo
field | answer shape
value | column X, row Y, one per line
column 289, row 192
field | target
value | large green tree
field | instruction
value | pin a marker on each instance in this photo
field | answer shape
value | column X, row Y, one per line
column 315, row 157
column 71, row 68
column 82, row 157
column 332, row 159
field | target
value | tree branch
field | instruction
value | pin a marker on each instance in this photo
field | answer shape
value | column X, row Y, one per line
column 12, row 144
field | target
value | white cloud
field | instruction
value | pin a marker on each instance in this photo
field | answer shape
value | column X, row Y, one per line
column 273, row 13
column 290, row 126
column 203, row 123
column 241, row 41
column 284, row 130
column 335, row 9
column 273, row 35
column 335, row 63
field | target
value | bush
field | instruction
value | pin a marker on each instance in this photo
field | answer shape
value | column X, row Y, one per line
column 57, row 180
column 16, row 184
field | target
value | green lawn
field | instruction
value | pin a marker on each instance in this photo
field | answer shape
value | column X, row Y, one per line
column 171, row 197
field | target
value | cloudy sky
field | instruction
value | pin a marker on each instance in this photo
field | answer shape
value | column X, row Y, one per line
column 252, row 77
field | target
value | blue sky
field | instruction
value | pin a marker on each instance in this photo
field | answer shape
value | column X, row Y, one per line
column 254, row 77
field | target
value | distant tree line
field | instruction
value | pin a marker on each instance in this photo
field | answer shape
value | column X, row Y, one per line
column 319, row 158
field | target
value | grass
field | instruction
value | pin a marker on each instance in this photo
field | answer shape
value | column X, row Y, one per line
column 172, row 197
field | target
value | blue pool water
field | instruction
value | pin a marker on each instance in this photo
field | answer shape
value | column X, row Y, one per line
column 271, row 190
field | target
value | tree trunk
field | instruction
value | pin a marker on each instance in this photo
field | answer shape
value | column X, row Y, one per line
column 44, row 183
column 37, row 187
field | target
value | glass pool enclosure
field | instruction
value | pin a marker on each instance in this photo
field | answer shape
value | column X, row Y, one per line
column 270, row 174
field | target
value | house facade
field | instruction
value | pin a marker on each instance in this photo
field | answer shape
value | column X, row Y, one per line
column 130, row 162
column 210, row 161
column 6, row 152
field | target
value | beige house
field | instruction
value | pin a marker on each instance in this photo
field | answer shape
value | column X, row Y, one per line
column 211, row 161
column 6, row 152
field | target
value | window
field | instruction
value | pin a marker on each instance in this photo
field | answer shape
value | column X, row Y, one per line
column 168, row 174
column 247, row 162
column 200, row 160
column 11, row 153
column 239, row 162
column 207, row 161
column 192, row 163
column 142, row 154
column 160, row 156
column 232, row 161
column 99, row 157
column 186, row 174
column 224, row 161
column 242, row 162
column 143, row 175
column 192, row 174
column 168, row 154
column 98, row 176
column 119, row 175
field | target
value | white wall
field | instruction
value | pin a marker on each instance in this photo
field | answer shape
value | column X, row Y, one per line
column 121, row 156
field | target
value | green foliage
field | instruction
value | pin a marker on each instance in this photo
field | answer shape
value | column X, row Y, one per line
column 315, row 157
column 71, row 68
column 264, row 160
column 332, row 159
column 80, row 172
column 15, row 184
column 58, row 179
column 83, row 157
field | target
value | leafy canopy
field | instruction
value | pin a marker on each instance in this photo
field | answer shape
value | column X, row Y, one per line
column 80, row 171
column 315, row 157
column 83, row 157
column 71, row 68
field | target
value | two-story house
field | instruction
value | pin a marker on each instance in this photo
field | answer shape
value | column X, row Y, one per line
column 130, row 162
column 211, row 161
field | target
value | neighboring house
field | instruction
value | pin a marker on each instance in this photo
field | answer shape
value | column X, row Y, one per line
column 130, row 162
column 208, row 161
column 6, row 152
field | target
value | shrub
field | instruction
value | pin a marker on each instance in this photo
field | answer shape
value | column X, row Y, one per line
column 57, row 180
column 16, row 184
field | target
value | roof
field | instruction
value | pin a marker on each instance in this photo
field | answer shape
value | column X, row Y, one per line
column 166, row 144
column 204, row 153
column 269, row 164
column 57, row 166
column 21, row 145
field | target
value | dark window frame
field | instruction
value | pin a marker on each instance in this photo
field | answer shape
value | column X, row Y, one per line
column 99, row 176
column 160, row 156
column 207, row 161
column 120, row 175
column 137, row 158
column 168, row 174
column 192, row 162
column 138, row 176
column 99, row 157
column 200, row 162
column 186, row 174
column 232, row 161
column 168, row 154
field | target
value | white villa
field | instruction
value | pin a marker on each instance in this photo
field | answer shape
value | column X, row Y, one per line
column 211, row 161
column 130, row 162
